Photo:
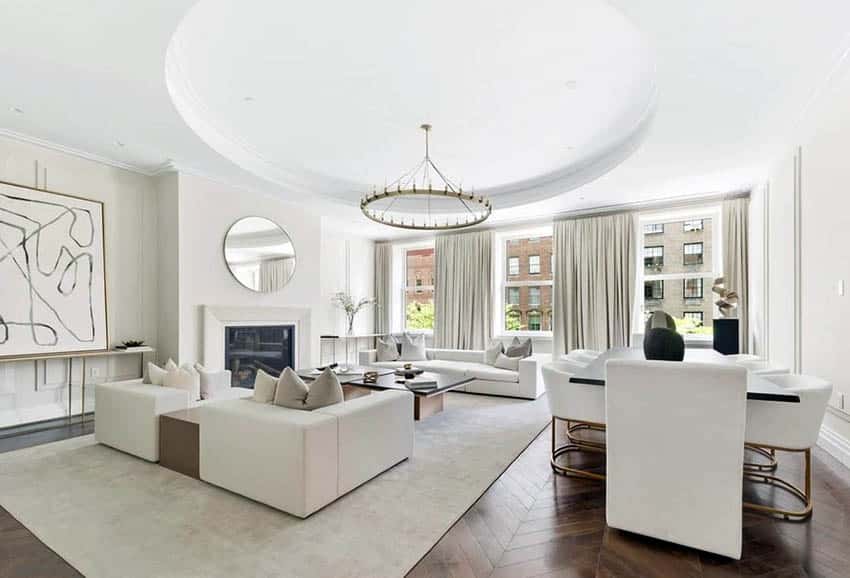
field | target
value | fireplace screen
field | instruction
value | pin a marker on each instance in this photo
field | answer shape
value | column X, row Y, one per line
column 249, row 348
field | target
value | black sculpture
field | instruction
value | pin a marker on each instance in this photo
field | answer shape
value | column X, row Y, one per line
column 661, row 341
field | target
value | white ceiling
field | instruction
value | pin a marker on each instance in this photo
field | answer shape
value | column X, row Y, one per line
column 335, row 110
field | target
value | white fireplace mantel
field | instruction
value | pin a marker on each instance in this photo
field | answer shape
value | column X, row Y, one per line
column 217, row 318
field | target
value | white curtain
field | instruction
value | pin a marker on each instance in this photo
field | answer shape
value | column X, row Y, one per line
column 463, row 301
column 383, row 286
column 735, row 260
column 594, row 284
column 275, row 273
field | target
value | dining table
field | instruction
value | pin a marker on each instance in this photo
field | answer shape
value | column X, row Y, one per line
column 758, row 386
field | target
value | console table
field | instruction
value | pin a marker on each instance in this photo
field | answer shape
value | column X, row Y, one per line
column 82, row 356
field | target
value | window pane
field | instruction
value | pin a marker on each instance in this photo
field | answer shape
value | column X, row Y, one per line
column 692, row 254
column 525, row 257
column 678, row 247
column 653, row 290
column 528, row 307
column 513, row 266
column 513, row 295
column 693, row 289
column 419, row 292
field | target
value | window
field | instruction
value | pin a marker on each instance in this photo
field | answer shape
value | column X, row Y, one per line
column 513, row 266
column 653, row 290
column 680, row 284
column 526, row 293
column 696, row 316
column 692, row 225
column 513, row 295
column 692, row 288
column 653, row 258
column 419, row 289
column 693, row 254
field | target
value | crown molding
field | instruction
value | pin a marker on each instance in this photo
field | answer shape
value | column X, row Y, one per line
column 142, row 170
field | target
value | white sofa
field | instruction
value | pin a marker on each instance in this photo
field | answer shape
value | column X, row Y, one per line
column 526, row 383
column 127, row 413
column 300, row 461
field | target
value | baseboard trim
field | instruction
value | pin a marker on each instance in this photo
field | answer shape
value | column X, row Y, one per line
column 836, row 445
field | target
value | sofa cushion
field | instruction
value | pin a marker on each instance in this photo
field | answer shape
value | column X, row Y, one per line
column 292, row 392
column 185, row 378
column 519, row 348
column 508, row 363
column 389, row 364
column 413, row 347
column 446, row 367
column 387, row 350
column 492, row 352
column 155, row 374
column 264, row 387
column 489, row 373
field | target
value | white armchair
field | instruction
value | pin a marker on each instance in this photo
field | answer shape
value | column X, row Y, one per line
column 792, row 427
column 675, row 434
column 581, row 406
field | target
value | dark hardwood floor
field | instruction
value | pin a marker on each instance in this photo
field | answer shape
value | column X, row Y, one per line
column 534, row 523
column 22, row 555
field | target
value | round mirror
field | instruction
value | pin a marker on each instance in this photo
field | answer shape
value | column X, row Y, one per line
column 259, row 254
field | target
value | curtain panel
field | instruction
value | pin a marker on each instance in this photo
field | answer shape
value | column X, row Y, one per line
column 383, row 286
column 594, row 285
column 463, row 300
column 736, row 258
column 275, row 273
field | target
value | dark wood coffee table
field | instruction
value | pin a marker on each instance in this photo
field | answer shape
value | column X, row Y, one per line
column 425, row 403
column 179, row 441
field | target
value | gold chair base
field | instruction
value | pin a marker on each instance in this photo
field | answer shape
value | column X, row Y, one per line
column 576, row 444
column 768, row 454
column 804, row 495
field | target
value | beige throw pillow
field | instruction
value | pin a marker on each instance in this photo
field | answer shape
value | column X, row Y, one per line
column 264, row 387
column 170, row 365
column 505, row 362
column 387, row 349
column 155, row 374
column 185, row 378
column 492, row 352
column 293, row 393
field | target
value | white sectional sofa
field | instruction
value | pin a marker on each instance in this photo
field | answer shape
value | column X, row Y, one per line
column 127, row 413
column 299, row 461
column 526, row 383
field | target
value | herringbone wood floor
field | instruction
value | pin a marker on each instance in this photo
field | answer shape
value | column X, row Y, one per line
column 534, row 523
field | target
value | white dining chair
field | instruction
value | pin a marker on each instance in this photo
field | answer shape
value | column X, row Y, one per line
column 583, row 355
column 762, row 367
column 791, row 427
column 581, row 406
column 675, row 433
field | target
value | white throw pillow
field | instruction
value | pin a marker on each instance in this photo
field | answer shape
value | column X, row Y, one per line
column 413, row 348
column 505, row 362
column 170, row 365
column 492, row 352
column 185, row 378
column 212, row 382
column 292, row 392
column 155, row 374
column 264, row 387
column 387, row 349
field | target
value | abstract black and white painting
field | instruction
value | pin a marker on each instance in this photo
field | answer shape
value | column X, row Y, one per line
column 52, row 284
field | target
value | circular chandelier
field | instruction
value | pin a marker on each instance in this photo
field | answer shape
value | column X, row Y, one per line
column 414, row 201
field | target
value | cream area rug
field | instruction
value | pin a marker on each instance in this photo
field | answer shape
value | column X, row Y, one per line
column 111, row 514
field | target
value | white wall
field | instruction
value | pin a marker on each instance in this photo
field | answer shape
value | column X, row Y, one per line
column 348, row 266
column 823, row 242
column 207, row 209
column 168, row 255
column 130, row 219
